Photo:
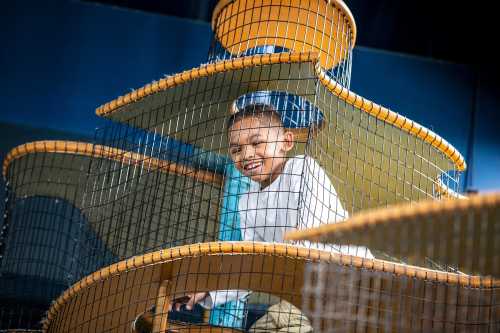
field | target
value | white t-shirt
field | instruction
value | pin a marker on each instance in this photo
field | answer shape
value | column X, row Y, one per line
column 301, row 197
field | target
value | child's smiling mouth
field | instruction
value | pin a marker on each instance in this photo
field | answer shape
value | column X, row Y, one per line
column 251, row 165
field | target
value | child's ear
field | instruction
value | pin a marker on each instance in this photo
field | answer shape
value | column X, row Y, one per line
column 288, row 141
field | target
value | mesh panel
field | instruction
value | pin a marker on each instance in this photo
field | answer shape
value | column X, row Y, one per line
column 374, row 163
column 137, row 203
column 370, row 300
column 243, row 28
column 42, row 225
column 455, row 240
column 263, row 140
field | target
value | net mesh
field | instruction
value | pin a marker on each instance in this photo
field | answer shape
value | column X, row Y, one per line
column 42, row 223
column 175, row 218
column 459, row 290
column 243, row 28
column 138, row 200
column 345, row 299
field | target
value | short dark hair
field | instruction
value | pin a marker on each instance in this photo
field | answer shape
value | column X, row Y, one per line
column 255, row 110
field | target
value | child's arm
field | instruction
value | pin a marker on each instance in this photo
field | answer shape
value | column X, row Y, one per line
column 219, row 297
column 208, row 299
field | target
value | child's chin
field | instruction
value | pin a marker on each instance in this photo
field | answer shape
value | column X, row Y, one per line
column 255, row 174
column 259, row 178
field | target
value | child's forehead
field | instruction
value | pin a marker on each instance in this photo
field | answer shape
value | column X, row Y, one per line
column 245, row 129
column 257, row 122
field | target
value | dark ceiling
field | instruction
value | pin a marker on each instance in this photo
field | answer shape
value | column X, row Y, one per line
column 440, row 29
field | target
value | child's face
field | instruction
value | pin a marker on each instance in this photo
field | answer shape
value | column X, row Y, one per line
column 258, row 147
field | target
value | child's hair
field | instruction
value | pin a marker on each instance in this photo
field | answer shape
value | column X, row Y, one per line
column 257, row 110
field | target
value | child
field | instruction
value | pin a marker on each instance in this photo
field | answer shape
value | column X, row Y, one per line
column 285, row 194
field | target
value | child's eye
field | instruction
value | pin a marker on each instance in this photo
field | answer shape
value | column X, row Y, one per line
column 235, row 150
column 258, row 143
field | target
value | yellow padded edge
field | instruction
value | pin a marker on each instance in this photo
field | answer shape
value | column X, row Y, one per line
column 392, row 118
column 253, row 248
column 395, row 213
column 376, row 110
column 48, row 146
column 203, row 71
column 98, row 151
column 335, row 3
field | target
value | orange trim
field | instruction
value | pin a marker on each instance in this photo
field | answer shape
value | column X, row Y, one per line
column 252, row 248
column 98, row 151
column 47, row 146
column 365, row 105
column 204, row 71
column 315, row 25
column 398, row 213
column 335, row 3
column 392, row 118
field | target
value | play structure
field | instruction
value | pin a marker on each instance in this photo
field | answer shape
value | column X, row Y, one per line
column 109, row 236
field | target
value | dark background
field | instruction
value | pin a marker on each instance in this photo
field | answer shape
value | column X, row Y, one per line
column 442, row 30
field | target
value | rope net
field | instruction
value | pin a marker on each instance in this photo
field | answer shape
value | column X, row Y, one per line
column 243, row 28
column 138, row 201
column 42, row 223
column 344, row 299
column 459, row 291
column 175, row 218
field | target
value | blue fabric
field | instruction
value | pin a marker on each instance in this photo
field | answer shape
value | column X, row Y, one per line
column 295, row 111
column 235, row 185
column 231, row 314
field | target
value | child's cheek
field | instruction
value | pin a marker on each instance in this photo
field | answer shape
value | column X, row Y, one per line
column 269, row 149
column 239, row 165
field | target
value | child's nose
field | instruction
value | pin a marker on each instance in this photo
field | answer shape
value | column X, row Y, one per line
column 248, row 152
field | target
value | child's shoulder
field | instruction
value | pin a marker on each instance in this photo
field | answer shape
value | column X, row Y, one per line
column 303, row 165
column 300, row 160
column 298, row 164
column 294, row 163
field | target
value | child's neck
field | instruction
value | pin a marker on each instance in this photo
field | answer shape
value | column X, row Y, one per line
column 274, row 175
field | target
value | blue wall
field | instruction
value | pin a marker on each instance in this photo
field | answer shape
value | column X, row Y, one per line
column 485, row 173
column 61, row 59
